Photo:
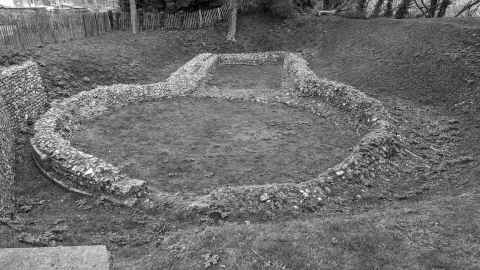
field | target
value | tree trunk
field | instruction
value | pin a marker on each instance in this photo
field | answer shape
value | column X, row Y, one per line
column 443, row 8
column 361, row 8
column 389, row 9
column 402, row 9
column 232, row 29
column 433, row 8
column 378, row 8
column 133, row 16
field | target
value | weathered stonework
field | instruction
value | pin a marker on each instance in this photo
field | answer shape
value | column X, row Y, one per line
column 22, row 91
column 22, row 98
column 7, row 159
column 190, row 75
column 87, row 174
column 251, row 58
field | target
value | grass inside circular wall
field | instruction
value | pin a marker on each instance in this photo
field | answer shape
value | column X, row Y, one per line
column 196, row 144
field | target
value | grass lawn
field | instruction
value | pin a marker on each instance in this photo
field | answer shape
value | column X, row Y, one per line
column 443, row 233
column 199, row 144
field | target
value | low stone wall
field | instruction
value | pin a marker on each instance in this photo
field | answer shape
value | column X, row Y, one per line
column 22, row 91
column 378, row 144
column 251, row 58
column 7, row 159
column 22, row 98
column 190, row 75
column 368, row 157
column 87, row 174
column 84, row 173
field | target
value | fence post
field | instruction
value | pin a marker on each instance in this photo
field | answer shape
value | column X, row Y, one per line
column 84, row 26
column 97, row 25
column 133, row 16
column 17, row 34
column 219, row 14
column 141, row 20
column 52, row 29
column 117, row 21
column 200, row 18
column 110, row 19
column 161, row 20
column 41, row 28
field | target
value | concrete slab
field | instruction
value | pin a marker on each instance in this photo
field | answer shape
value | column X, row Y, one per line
column 55, row 258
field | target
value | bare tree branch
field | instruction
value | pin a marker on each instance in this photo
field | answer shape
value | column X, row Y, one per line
column 467, row 7
column 420, row 8
column 424, row 5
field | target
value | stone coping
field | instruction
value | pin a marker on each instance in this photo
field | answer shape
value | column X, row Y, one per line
column 89, row 175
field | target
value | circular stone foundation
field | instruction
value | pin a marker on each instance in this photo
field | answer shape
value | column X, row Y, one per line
column 288, row 143
column 197, row 144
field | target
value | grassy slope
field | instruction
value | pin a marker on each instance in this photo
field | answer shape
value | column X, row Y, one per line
column 428, row 66
column 438, row 234
column 421, row 63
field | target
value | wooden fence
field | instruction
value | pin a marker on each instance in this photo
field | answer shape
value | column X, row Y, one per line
column 40, row 29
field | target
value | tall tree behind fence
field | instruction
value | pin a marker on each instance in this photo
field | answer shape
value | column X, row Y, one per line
column 40, row 29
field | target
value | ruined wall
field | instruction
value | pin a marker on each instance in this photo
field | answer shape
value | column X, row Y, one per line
column 22, row 91
column 6, row 161
column 86, row 174
column 22, row 98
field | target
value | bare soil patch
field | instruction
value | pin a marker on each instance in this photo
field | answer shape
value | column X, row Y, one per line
column 191, row 144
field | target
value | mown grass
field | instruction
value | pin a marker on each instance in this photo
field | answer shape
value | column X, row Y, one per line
column 440, row 234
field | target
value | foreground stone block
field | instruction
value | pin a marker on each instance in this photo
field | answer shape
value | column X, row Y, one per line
column 55, row 258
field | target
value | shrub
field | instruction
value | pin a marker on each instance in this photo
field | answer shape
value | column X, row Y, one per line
column 282, row 8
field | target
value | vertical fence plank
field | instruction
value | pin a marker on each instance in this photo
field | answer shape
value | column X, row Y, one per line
column 97, row 24
column 85, row 26
column 18, row 35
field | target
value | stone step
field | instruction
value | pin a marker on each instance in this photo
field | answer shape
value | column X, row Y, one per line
column 55, row 258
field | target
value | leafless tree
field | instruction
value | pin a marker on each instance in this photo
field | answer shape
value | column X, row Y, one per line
column 389, row 9
column 443, row 8
column 378, row 8
column 432, row 8
column 403, row 8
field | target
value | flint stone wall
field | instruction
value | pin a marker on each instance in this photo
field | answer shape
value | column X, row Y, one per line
column 7, row 159
column 22, row 91
column 367, row 158
column 22, row 98
column 87, row 174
